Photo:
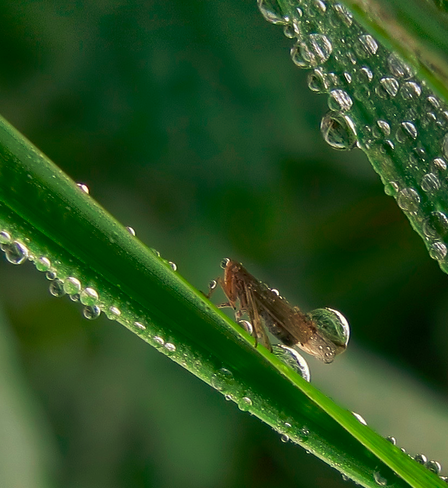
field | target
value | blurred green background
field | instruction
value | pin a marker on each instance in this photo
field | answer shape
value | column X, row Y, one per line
column 189, row 122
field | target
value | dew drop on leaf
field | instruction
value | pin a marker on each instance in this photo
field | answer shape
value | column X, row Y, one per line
column 338, row 131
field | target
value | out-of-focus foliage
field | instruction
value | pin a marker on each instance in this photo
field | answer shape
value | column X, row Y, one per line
column 190, row 123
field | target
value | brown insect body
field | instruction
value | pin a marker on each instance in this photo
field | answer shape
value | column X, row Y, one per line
column 266, row 309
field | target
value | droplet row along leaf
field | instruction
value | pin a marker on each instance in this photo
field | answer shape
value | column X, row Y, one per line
column 377, row 104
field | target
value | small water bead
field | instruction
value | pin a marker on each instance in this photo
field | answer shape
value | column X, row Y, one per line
column 348, row 77
column 290, row 31
column 381, row 129
column 89, row 296
column 314, row 50
column 399, row 68
column 222, row 380
column 410, row 90
column 338, row 130
column 408, row 199
column 392, row 440
column 430, row 183
column 432, row 103
column 244, row 404
column 159, row 341
column 114, row 311
column 72, row 285
column 366, row 46
column 169, row 346
column 436, row 225
column 437, row 250
column 359, row 418
column 139, row 325
column 284, row 438
column 50, row 275
column 292, row 359
column 5, row 237
column 406, row 132
column 339, row 100
column 434, row 466
column 421, row 458
column 439, row 164
column 391, row 188
column 15, row 252
column 74, row 298
column 131, row 231
column 57, row 288
column 173, row 266
column 379, row 479
column 42, row 264
column 387, row 88
column 224, row 263
column 304, row 434
column 91, row 312
column 83, row 187
column 365, row 75
column 317, row 81
column 247, row 326
column 272, row 11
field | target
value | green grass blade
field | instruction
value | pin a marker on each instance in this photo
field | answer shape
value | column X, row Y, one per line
column 67, row 235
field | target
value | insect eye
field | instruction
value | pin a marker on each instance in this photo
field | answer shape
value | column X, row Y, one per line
column 224, row 263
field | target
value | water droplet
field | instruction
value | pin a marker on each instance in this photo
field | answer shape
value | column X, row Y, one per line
column 284, row 438
column 83, row 187
column 15, row 252
column 245, row 404
column 42, row 264
column 439, row 164
column 436, row 225
column 114, row 311
column 333, row 327
column 339, row 100
column 91, row 312
column 131, row 231
column 388, row 88
column 74, row 298
column 317, row 81
column 139, row 325
column 344, row 14
column 338, row 131
column 57, row 288
column 72, row 285
column 88, row 296
column 359, row 418
column 247, row 326
column 292, row 359
column 381, row 129
column 173, row 266
column 445, row 145
column 169, row 346
column 392, row 440
column 379, row 479
column 430, row 183
column 365, row 75
column 313, row 51
column 159, row 341
column 399, row 68
column 437, row 250
column 406, row 132
column 5, row 237
column 224, row 263
column 410, row 90
column 421, row 458
column 50, row 275
column 272, row 11
column 391, row 188
column 222, row 380
column 408, row 200
column 304, row 434
column 432, row 103
column 434, row 466
column 366, row 46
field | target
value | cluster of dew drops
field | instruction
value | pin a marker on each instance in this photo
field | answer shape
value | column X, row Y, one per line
column 17, row 252
column 340, row 55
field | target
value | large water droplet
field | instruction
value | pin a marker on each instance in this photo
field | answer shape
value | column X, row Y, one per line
column 245, row 403
column 338, row 131
column 317, row 81
column 434, row 466
column 15, row 252
column 5, row 237
column 42, row 264
column 421, row 458
column 344, row 14
column 406, row 132
column 399, row 68
column 91, row 312
column 339, row 100
column 366, row 46
column 381, row 129
column 72, row 285
column 57, row 288
column 430, row 183
column 314, row 50
column 436, row 225
column 272, row 11
column 408, row 200
column 410, row 90
column 388, row 88
column 437, row 250
column 293, row 359
column 333, row 327
column 89, row 296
